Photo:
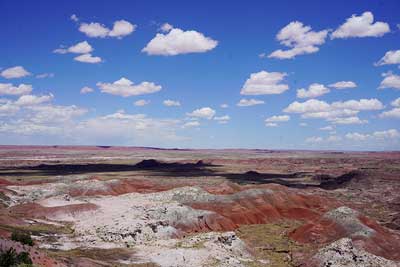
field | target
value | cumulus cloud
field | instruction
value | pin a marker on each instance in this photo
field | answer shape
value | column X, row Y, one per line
column 279, row 118
column 271, row 124
column 45, row 75
column 222, row 119
column 86, row 90
column 396, row 102
column 340, row 112
column 300, row 39
column 15, row 72
column 391, row 57
column 9, row 89
column 88, row 58
column 390, row 80
column 377, row 135
column 121, row 28
column 171, row 103
column 362, row 104
column 264, row 83
column 313, row 91
column 141, row 103
column 7, row 108
column 249, row 102
column 361, row 26
column 124, row 87
column 347, row 120
column 79, row 48
column 224, row 105
column 343, row 85
column 309, row 106
column 204, row 113
column 30, row 100
column 393, row 113
column 177, row 41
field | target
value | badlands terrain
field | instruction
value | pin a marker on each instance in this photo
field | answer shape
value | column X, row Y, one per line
column 120, row 206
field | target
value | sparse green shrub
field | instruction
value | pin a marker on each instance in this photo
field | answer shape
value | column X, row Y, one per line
column 10, row 258
column 24, row 259
column 23, row 238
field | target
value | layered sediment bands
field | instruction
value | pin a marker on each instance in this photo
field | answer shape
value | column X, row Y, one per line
column 34, row 210
column 345, row 222
column 257, row 206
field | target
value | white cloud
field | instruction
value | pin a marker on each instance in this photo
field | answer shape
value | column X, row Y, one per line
column 357, row 136
column 361, row 26
column 264, row 83
column 177, row 41
column 280, row 118
column 362, row 104
column 224, row 105
column 336, row 112
column 390, row 80
column 9, row 89
column 343, row 85
column 15, row 72
column 55, row 114
column 74, row 18
column 88, row 58
column 30, row 100
column 124, row 87
column 396, row 102
column 303, row 124
column 327, row 128
column 166, row 27
column 249, row 102
column 347, row 120
column 141, row 103
column 86, row 90
column 45, row 75
column 393, row 113
column 391, row 57
column 205, row 113
column 300, row 39
column 377, row 135
column 223, row 119
column 271, row 124
column 333, row 113
column 94, row 29
column 315, row 106
column 120, row 29
column 171, row 103
column 314, row 139
column 314, row 90
column 8, row 108
column 309, row 106
column 191, row 124
column 79, row 48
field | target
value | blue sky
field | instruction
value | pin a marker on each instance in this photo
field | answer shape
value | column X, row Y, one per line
column 201, row 55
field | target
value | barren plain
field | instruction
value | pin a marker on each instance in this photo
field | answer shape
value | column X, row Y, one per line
column 131, row 206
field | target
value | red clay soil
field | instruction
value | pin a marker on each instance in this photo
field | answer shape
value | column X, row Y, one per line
column 266, row 208
column 323, row 231
column 123, row 187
